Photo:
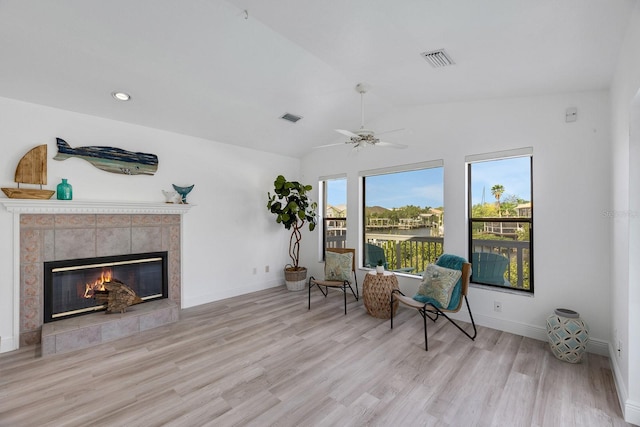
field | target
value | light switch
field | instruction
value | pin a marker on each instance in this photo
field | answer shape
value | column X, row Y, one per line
column 571, row 114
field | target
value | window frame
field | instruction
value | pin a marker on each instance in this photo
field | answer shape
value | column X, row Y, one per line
column 470, row 160
column 362, row 203
column 323, row 205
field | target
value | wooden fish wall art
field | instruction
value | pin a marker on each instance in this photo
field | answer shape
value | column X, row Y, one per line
column 109, row 159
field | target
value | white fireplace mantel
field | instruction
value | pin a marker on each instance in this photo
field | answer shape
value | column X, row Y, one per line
column 33, row 206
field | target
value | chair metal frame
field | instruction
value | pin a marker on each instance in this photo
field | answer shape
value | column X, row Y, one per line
column 341, row 284
column 433, row 312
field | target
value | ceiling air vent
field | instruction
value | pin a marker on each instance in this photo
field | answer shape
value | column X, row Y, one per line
column 437, row 58
column 290, row 117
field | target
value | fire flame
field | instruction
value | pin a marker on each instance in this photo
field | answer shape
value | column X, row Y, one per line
column 98, row 285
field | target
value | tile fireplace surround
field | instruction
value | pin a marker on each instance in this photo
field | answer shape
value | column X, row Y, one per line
column 52, row 230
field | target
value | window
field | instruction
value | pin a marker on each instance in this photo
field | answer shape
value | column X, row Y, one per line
column 403, row 217
column 501, row 220
column 334, row 209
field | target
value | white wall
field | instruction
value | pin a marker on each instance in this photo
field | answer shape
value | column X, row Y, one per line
column 625, row 241
column 227, row 232
column 571, row 193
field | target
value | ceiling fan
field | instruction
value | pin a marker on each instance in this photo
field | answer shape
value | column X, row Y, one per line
column 363, row 137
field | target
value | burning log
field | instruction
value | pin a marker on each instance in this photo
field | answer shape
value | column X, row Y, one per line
column 117, row 296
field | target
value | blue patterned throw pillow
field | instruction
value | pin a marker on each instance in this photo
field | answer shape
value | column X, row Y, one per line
column 437, row 285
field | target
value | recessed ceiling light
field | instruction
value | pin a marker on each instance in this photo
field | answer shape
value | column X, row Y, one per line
column 121, row 96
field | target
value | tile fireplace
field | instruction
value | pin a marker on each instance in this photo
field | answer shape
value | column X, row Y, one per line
column 51, row 230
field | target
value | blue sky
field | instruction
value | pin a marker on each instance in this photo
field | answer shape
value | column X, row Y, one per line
column 424, row 187
column 513, row 174
column 419, row 188
column 337, row 192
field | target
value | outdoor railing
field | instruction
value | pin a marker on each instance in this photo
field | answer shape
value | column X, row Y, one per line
column 411, row 254
column 517, row 252
column 408, row 254
column 336, row 241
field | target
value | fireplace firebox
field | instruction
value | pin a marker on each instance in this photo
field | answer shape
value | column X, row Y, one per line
column 69, row 285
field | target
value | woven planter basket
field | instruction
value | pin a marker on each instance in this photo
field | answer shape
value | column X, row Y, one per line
column 296, row 280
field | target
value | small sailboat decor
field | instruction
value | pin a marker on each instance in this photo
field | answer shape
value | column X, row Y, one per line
column 32, row 169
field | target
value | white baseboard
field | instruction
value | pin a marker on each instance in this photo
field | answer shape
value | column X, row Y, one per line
column 7, row 344
column 596, row 346
column 230, row 292
column 617, row 379
column 630, row 408
column 632, row 412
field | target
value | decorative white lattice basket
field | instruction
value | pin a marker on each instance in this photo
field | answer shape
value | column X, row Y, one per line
column 568, row 335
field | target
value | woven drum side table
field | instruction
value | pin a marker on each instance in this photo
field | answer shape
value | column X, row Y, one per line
column 376, row 292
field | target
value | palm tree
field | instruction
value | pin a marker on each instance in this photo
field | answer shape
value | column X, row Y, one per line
column 497, row 191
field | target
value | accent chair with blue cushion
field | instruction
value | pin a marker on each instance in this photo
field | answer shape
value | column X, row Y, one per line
column 444, row 287
column 339, row 272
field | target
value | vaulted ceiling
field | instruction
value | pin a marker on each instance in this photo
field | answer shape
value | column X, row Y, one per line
column 228, row 70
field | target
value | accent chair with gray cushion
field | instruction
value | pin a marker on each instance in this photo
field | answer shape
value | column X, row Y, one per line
column 339, row 272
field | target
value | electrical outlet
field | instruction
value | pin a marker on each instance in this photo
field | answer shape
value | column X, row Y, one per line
column 266, row 268
column 497, row 306
column 255, row 270
column 619, row 348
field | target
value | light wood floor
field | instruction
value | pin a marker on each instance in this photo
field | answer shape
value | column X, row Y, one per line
column 263, row 359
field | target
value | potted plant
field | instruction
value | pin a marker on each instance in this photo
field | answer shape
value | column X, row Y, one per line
column 380, row 267
column 293, row 208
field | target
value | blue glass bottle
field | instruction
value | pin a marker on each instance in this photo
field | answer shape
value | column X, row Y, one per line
column 64, row 190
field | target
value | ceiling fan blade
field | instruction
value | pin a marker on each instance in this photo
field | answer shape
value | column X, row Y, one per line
column 347, row 133
column 391, row 144
column 389, row 131
column 330, row 145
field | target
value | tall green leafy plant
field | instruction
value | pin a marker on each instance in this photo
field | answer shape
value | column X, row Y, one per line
column 293, row 209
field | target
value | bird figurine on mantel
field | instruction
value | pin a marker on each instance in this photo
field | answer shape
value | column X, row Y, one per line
column 183, row 191
column 170, row 196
